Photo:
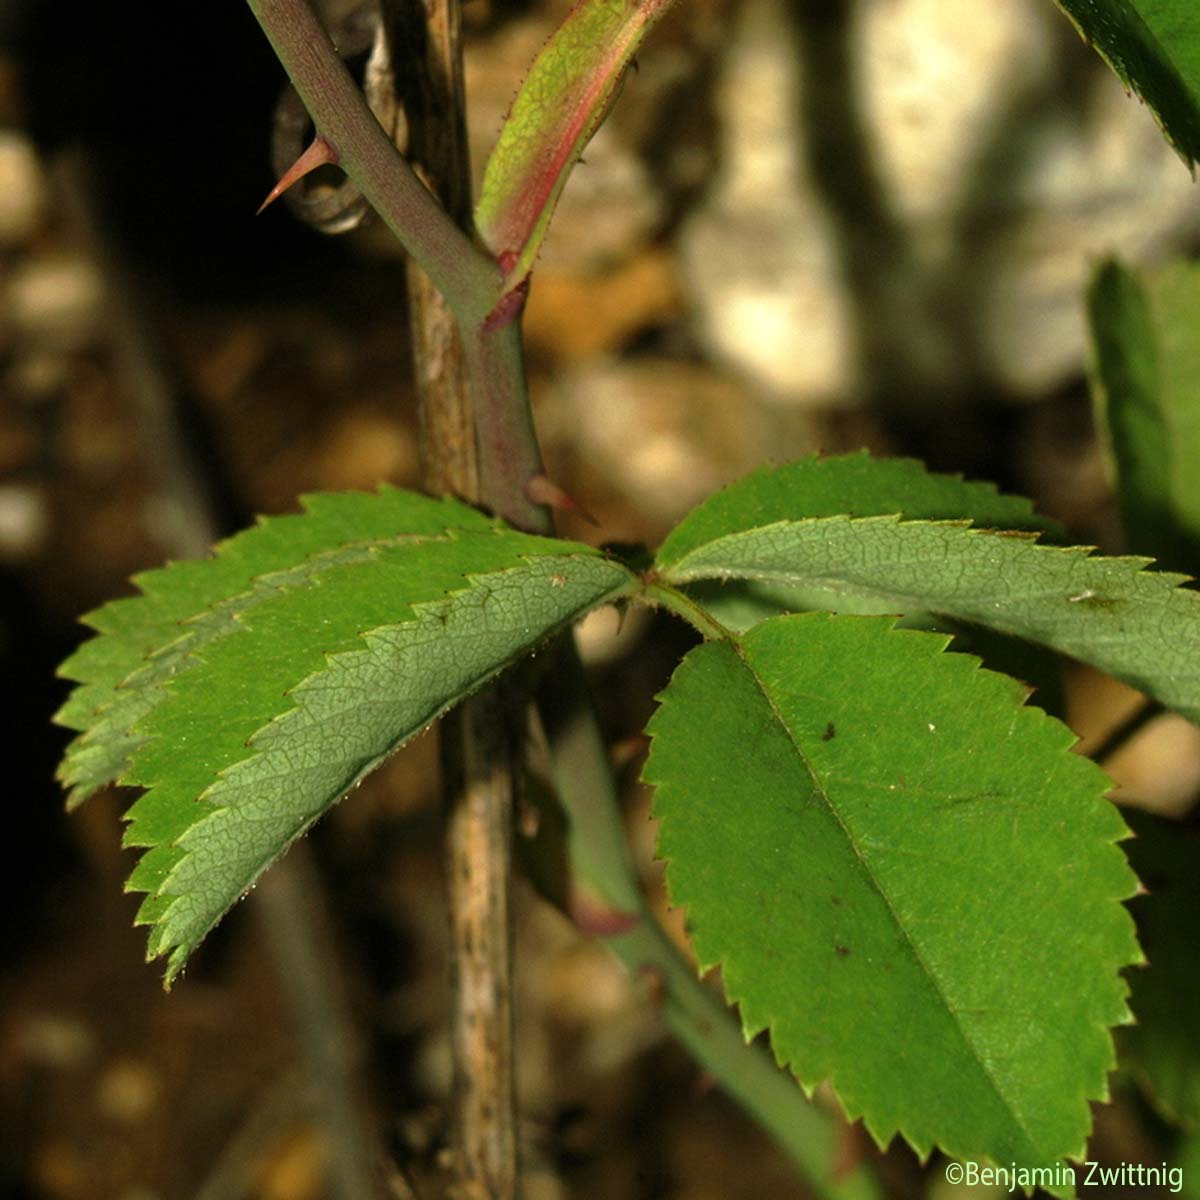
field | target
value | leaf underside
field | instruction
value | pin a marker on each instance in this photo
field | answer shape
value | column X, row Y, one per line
column 905, row 876
column 1138, row 625
column 284, row 689
column 854, row 485
column 848, row 485
column 1154, row 48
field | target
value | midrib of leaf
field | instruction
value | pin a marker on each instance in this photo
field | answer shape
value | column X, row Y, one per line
column 926, row 971
column 1109, row 612
column 224, row 698
column 757, row 832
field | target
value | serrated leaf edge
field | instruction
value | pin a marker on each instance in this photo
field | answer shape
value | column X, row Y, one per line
column 1046, row 526
column 145, row 677
column 1166, row 583
column 146, row 581
column 751, row 1029
column 159, row 943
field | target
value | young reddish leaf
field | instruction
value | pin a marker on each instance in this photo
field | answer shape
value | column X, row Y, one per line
column 566, row 95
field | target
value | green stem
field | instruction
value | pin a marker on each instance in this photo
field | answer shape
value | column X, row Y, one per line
column 469, row 278
column 508, row 450
column 663, row 595
column 600, row 861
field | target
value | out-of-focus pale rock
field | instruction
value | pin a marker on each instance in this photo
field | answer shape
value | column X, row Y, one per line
column 1006, row 158
column 54, row 301
column 22, row 188
column 24, row 521
column 759, row 255
column 664, row 431
column 934, row 88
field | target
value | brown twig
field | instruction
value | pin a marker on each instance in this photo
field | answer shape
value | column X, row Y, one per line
column 425, row 38
column 476, row 751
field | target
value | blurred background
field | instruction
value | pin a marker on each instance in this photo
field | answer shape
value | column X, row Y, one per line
column 808, row 225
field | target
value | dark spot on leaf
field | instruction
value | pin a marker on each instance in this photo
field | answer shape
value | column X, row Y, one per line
column 842, row 951
column 830, row 733
column 835, row 900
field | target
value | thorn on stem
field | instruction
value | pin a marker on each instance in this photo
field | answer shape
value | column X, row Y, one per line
column 651, row 979
column 320, row 153
column 508, row 307
column 595, row 916
column 540, row 489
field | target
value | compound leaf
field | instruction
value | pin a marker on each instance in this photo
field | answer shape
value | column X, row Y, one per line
column 1138, row 625
column 1146, row 380
column 249, row 691
column 144, row 640
column 1154, row 47
column 905, row 876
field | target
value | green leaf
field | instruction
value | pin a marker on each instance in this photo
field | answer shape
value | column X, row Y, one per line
column 1138, row 625
column 1163, row 1047
column 319, row 683
column 120, row 679
column 905, row 876
column 849, row 485
column 269, row 679
column 567, row 94
column 857, row 485
column 1187, row 1160
column 1154, row 47
column 1146, row 380
column 740, row 604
